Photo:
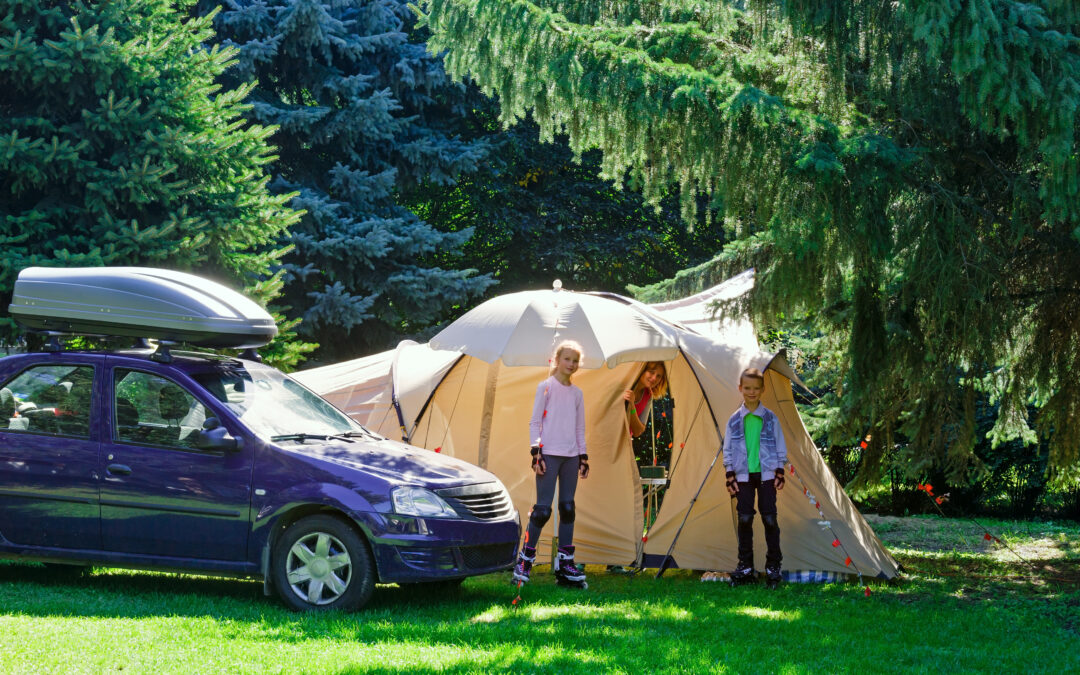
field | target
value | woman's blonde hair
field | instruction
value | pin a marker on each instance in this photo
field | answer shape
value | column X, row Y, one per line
column 661, row 388
column 553, row 365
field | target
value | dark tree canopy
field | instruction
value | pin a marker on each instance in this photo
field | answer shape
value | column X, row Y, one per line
column 118, row 148
column 538, row 215
column 905, row 175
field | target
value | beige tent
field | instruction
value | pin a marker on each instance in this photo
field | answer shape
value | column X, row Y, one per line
column 477, row 411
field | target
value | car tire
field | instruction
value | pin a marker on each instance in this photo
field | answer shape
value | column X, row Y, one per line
column 321, row 563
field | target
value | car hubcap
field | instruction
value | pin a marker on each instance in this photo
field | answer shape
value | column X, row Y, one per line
column 319, row 568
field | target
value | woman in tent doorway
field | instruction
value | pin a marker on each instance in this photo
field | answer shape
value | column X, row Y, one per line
column 650, row 385
column 557, row 437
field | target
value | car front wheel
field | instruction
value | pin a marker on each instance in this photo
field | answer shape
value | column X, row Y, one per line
column 321, row 563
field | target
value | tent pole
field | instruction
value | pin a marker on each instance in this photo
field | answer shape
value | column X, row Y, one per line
column 400, row 417
column 667, row 557
column 431, row 396
column 486, row 414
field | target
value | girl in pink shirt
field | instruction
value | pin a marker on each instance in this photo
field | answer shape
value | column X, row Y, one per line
column 557, row 437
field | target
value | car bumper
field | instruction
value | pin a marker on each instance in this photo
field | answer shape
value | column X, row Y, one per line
column 431, row 549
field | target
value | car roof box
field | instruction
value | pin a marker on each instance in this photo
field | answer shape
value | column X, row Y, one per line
column 140, row 302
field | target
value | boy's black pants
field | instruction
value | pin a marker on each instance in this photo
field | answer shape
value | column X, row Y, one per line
column 766, row 502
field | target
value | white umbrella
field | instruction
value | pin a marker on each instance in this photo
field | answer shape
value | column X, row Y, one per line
column 523, row 328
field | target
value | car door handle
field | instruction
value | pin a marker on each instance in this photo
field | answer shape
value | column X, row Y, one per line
column 118, row 470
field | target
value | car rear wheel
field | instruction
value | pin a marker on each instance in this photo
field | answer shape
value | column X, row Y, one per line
column 321, row 563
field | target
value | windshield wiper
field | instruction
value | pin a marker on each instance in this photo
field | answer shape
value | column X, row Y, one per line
column 355, row 434
column 300, row 437
column 343, row 436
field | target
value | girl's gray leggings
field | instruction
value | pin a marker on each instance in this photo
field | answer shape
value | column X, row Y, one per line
column 564, row 470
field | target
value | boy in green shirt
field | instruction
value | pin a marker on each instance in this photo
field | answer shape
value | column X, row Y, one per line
column 754, row 449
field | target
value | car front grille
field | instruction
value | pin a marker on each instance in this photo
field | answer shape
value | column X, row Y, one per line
column 493, row 555
column 486, row 501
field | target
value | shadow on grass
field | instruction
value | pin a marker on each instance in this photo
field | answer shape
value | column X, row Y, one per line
column 978, row 571
column 150, row 587
column 552, row 632
column 620, row 623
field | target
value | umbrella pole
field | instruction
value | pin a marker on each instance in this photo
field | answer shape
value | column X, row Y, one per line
column 667, row 557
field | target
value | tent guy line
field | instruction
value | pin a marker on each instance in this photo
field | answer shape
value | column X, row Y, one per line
column 827, row 524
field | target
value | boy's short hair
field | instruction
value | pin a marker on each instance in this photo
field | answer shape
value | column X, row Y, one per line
column 753, row 374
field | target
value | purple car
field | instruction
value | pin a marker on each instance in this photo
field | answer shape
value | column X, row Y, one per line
column 200, row 462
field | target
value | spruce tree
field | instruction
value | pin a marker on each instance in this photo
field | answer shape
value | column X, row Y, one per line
column 904, row 174
column 117, row 147
column 364, row 114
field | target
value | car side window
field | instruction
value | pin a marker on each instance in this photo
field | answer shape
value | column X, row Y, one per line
column 49, row 399
column 152, row 410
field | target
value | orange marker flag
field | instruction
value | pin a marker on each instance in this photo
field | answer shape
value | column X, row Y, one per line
column 847, row 561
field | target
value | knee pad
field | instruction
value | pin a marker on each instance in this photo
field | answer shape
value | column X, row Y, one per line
column 540, row 515
column 769, row 521
column 746, row 520
column 566, row 512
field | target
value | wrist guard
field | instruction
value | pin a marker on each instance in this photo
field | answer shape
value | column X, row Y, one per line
column 538, row 458
column 730, row 481
column 583, row 465
column 779, row 475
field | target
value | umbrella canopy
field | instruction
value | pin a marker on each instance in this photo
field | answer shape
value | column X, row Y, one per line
column 522, row 329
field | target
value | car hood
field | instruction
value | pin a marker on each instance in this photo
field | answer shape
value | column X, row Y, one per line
column 395, row 462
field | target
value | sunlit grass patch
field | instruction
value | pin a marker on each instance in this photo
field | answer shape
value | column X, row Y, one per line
column 770, row 614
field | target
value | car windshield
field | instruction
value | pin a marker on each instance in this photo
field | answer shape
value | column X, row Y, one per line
column 272, row 405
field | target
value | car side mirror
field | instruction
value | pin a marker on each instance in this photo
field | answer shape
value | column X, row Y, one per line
column 213, row 436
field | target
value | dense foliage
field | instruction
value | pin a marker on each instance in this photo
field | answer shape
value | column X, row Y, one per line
column 364, row 113
column 539, row 214
column 904, row 175
column 118, row 148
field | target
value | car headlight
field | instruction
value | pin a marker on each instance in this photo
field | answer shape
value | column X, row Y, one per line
column 417, row 501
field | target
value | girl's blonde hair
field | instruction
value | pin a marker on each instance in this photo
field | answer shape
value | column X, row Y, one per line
column 553, row 365
column 661, row 388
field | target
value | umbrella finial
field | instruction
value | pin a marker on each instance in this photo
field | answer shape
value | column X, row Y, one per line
column 556, row 285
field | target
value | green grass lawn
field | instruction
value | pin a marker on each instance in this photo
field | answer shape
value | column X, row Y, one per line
column 965, row 606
